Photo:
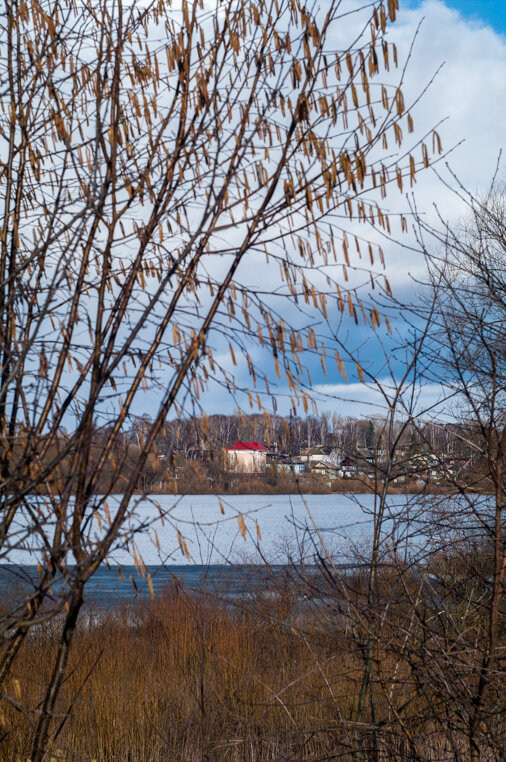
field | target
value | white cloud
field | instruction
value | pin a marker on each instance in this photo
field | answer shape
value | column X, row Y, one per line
column 361, row 400
column 470, row 89
column 469, row 92
column 465, row 101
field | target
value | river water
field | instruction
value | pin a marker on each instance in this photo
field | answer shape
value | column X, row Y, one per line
column 206, row 529
column 204, row 539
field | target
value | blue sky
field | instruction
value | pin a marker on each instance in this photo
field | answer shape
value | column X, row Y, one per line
column 492, row 12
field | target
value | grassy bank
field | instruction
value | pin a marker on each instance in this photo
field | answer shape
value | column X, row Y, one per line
column 258, row 484
column 184, row 677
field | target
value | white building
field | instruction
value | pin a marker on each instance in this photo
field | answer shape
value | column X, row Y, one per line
column 247, row 457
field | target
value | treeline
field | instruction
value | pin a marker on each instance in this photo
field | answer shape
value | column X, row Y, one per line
column 295, row 433
column 188, row 454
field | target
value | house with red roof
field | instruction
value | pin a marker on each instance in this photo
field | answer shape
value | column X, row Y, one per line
column 246, row 457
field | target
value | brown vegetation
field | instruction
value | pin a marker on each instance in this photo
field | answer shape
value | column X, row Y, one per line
column 184, row 677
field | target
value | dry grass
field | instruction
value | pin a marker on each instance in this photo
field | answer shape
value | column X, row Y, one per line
column 179, row 678
column 185, row 678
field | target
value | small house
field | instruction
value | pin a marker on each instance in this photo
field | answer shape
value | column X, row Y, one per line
column 293, row 466
column 324, row 469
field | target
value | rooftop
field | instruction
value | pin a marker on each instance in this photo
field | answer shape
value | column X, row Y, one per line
column 257, row 446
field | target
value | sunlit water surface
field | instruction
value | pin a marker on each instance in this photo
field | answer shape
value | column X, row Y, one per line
column 220, row 542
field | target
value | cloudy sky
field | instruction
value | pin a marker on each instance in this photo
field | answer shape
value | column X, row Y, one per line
column 460, row 54
column 464, row 41
column 469, row 39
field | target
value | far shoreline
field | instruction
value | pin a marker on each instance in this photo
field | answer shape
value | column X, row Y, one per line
column 251, row 486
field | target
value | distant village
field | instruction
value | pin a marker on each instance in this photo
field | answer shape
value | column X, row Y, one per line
column 266, row 454
column 329, row 464
column 263, row 453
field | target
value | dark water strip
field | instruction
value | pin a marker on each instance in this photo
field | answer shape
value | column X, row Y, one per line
column 108, row 586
